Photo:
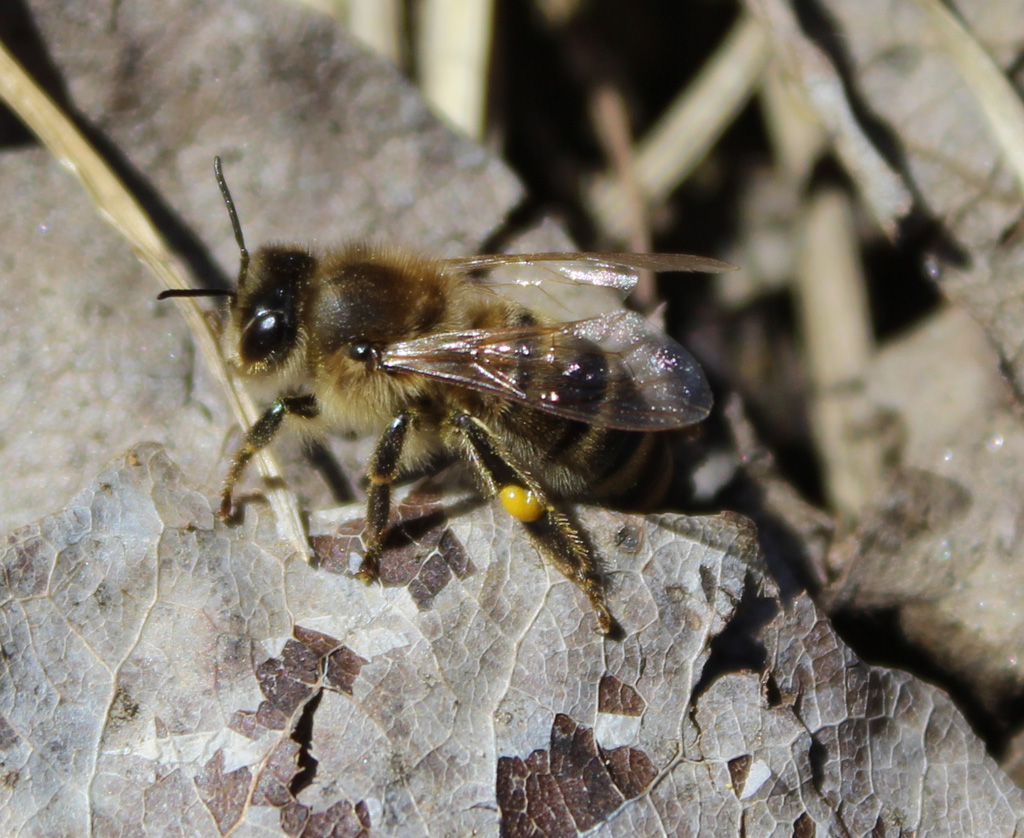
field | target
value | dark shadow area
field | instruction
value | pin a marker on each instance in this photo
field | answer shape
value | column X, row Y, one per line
column 23, row 40
column 738, row 647
column 320, row 457
column 545, row 74
column 303, row 735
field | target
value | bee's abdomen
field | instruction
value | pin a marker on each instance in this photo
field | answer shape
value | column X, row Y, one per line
column 581, row 461
column 639, row 470
column 627, row 469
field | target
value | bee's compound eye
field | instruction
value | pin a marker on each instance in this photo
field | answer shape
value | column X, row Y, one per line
column 521, row 503
column 263, row 336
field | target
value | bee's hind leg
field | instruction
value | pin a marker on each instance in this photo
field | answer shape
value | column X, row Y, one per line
column 550, row 529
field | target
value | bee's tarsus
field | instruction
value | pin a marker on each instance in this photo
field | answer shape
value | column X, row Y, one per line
column 370, row 569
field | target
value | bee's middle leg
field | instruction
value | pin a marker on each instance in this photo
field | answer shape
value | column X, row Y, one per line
column 382, row 471
column 552, row 531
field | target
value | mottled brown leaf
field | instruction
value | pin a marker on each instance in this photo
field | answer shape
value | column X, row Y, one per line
column 224, row 794
column 631, row 770
column 342, row 820
column 483, row 713
column 337, row 552
column 569, row 788
column 274, row 780
column 615, row 696
column 343, row 666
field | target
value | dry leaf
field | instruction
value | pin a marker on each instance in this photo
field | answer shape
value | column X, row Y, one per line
column 164, row 673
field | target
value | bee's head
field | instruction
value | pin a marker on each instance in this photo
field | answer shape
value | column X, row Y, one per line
column 263, row 332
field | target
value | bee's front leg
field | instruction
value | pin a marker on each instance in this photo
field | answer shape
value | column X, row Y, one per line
column 525, row 500
column 259, row 435
column 382, row 472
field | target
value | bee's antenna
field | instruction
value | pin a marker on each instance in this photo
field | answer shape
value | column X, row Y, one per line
column 194, row 292
column 243, row 266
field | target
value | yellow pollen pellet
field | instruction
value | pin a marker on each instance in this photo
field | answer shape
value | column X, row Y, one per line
column 521, row 503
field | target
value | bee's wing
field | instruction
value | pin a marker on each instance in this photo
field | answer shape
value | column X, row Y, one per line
column 613, row 371
column 607, row 270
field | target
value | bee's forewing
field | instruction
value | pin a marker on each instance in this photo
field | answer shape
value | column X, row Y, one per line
column 614, row 371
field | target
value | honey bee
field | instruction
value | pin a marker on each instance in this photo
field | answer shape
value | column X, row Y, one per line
column 438, row 362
